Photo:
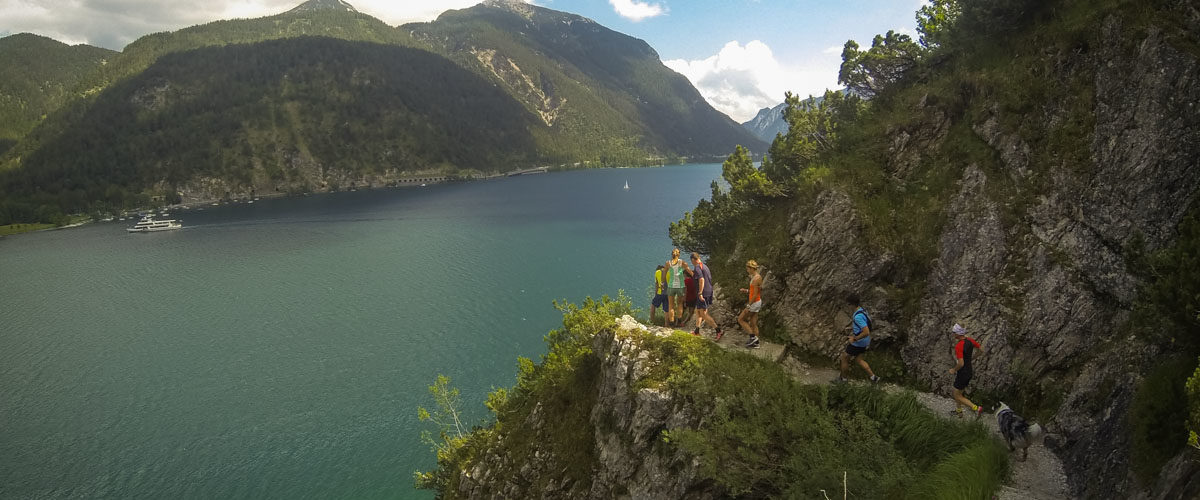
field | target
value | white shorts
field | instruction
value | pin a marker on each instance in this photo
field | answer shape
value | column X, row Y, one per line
column 755, row 307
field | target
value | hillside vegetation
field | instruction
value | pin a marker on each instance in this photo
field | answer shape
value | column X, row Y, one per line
column 183, row 115
column 40, row 75
column 248, row 114
column 1026, row 168
column 708, row 423
column 605, row 96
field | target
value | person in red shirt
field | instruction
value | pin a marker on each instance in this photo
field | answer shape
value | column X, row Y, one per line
column 964, row 349
column 689, row 299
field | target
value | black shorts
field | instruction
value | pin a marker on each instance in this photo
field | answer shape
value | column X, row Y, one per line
column 854, row 350
column 962, row 378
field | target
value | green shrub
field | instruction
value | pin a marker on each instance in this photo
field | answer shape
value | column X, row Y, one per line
column 975, row 472
column 1158, row 417
column 767, row 435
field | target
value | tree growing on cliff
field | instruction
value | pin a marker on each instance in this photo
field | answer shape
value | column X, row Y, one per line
column 872, row 71
column 935, row 20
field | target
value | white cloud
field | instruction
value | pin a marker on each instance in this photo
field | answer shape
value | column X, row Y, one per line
column 635, row 11
column 742, row 79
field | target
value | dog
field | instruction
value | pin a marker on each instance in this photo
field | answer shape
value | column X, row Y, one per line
column 1016, row 431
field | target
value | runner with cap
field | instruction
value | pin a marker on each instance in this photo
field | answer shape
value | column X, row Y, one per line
column 964, row 348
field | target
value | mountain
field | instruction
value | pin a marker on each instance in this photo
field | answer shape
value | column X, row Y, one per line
column 41, row 75
column 290, row 115
column 319, row 5
column 595, row 88
column 768, row 122
column 521, row 86
column 1032, row 172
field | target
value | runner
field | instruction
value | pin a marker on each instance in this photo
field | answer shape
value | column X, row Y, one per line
column 660, row 294
column 704, row 285
column 964, row 347
column 749, row 316
column 675, row 271
column 858, row 341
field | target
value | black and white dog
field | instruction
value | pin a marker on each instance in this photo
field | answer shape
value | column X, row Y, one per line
column 1016, row 431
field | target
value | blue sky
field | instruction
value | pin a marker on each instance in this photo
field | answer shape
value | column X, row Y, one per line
column 741, row 54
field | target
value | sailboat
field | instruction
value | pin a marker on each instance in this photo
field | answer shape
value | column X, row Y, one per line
column 626, row 185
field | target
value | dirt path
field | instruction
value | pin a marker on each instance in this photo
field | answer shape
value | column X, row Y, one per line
column 1041, row 477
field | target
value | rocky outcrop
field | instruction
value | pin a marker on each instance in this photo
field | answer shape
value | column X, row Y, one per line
column 1033, row 253
column 627, row 421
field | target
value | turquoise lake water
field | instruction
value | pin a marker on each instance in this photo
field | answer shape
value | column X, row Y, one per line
column 280, row 349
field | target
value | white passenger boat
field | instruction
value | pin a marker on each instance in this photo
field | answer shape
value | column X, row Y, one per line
column 149, row 224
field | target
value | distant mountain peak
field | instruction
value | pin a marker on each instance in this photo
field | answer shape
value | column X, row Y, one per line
column 316, row 5
column 517, row 6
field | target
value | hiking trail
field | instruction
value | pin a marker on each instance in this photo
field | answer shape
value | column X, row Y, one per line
column 1040, row 477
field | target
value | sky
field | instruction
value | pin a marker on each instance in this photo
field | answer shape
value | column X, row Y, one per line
column 742, row 55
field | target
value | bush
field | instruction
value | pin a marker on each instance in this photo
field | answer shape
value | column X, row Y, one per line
column 1158, row 417
column 767, row 435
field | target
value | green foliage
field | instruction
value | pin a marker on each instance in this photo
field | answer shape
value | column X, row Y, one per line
column 871, row 72
column 974, row 472
column 562, row 387
column 246, row 113
column 1193, row 395
column 449, row 427
column 1158, row 418
column 935, row 20
column 813, row 132
column 745, row 180
column 41, row 75
column 770, row 436
column 1168, row 308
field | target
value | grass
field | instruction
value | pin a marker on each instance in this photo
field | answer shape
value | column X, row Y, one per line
column 23, row 228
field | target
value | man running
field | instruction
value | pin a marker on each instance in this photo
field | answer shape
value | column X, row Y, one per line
column 858, row 341
column 964, row 348
column 660, row 294
column 704, row 285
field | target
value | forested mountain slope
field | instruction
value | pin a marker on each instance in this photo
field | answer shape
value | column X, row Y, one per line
column 39, row 76
column 597, row 90
column 585, row 95
column 291, row 115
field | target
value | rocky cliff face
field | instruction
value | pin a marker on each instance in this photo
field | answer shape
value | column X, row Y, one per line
column 1044, row 285
column 626, row 422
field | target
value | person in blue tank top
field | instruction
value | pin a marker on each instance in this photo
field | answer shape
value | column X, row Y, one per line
column 858, row 341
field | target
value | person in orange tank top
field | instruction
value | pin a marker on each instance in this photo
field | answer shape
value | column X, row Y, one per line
column 749, row 316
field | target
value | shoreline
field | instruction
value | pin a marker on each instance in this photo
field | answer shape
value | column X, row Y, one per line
column 200, row 204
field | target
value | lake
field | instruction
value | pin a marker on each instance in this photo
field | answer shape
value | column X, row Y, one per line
column 280, row 349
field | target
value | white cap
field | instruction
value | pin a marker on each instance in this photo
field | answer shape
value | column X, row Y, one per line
column 958, row 329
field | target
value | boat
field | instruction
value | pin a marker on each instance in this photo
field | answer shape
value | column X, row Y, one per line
column 626, row 185
column 148, row 224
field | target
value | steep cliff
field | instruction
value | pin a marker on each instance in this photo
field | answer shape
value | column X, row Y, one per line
column 1035, row 179
column 1055, row 187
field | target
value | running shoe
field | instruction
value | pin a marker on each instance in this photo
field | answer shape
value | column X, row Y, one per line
column 696, row 332
column 874, row 379
column 719, row 334
column 978, row 411
column 838, row 380
column 752, row 343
